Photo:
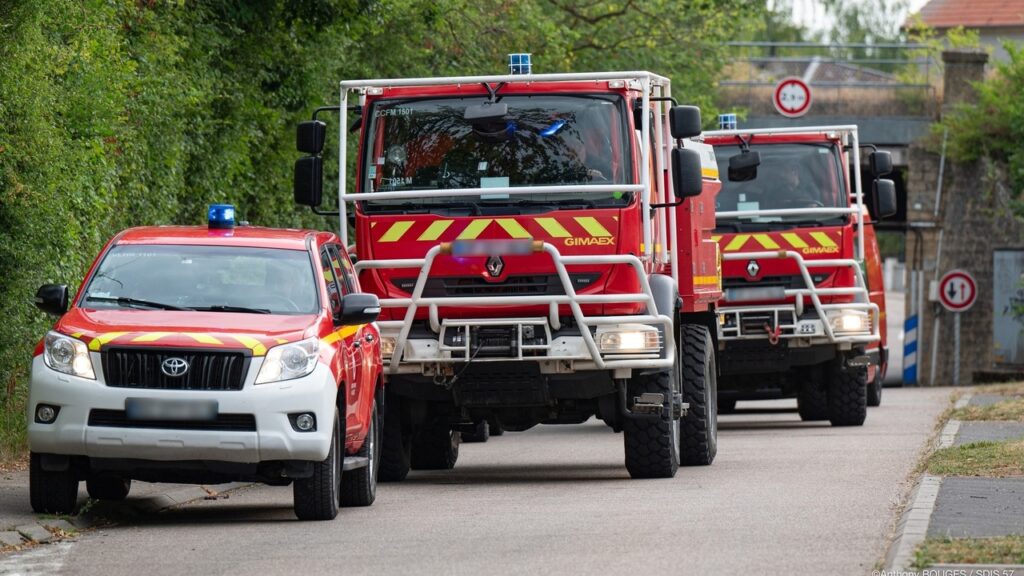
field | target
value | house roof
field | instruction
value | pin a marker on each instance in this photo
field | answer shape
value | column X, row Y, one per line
column 973, row 13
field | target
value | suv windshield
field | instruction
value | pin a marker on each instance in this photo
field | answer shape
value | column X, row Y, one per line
column 211, row 278
column 790, row 176
column 543, row 140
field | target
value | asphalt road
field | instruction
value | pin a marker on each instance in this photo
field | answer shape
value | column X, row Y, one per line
column 783, row 497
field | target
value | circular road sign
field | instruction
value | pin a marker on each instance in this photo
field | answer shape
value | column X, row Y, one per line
column 958, row 290
column 792, row 97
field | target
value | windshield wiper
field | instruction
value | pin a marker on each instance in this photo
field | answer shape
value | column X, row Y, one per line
column 126, row 301
column 229, row 308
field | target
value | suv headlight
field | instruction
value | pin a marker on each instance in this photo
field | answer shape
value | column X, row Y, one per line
column 851, row 321
column 68, row 355
column 628, row 339
column 289, row 361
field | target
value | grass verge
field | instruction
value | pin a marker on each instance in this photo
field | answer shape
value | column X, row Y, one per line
column 1004, row 550
column 992, row 459
column 1012, row 410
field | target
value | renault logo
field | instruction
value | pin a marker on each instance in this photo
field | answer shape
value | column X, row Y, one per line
column 495, row 265
column 174, row 367
column 753, row 268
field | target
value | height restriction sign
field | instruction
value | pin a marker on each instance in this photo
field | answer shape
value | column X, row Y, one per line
column 792, row 97
column 957, row 290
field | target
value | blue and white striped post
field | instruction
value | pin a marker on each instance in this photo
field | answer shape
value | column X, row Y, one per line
column 910, row 350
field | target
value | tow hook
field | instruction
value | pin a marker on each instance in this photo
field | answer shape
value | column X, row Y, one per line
column 773, row 333
column 858, row 361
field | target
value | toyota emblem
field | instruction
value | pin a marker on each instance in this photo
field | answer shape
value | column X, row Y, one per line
column 174, row 367
column 753, row 268
column 495, row 265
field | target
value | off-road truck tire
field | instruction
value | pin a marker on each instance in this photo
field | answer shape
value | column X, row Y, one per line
column 875, row 389
column 652, row 446
column 359, row 486
column 108, row 487
column 51, row 492
column 435, row 446
column 318, row 497
column 847, row 393
column 396, row 444
column 812, row 395
column 495, row 426
column 698, row 441
column 481, row 433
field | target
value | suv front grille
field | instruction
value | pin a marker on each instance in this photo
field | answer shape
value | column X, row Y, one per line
column 138, row 367
column 223, row 422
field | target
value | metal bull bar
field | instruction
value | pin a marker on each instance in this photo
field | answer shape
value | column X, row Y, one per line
column 570, row 298
column 794, row 311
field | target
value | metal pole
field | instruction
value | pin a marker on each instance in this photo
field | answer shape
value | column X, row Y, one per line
column 956, row 349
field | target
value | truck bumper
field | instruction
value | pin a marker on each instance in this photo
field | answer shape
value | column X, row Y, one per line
column 92, row 422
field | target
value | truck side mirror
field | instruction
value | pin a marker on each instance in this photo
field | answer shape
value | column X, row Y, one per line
column 309, row 181
column 687, row 179
column 743, row 166
column 359, row 308
column 52, row 298
column 684, row 121
column 880, row 162
column 883, row 199
column 309, row 137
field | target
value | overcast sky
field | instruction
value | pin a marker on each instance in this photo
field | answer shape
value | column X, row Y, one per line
column 811, row 14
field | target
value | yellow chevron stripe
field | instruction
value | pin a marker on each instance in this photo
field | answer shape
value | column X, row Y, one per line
column 394, row 234
column 341, row 334
column 257, row 347
column 76, row 335
column 553, row 228
column 715, row 238
column 151, row 337
column 766, row 241
column 794, row 240
column 102, row 339
column 434, row 231
column 705, row 280
column 709, row 172
column 514, row 229
column 823, row 239
column 593, row 227
column 737, row 242
column 203, row 338
column 474, row 229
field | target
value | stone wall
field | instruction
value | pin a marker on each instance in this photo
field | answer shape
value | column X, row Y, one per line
column 973, row 220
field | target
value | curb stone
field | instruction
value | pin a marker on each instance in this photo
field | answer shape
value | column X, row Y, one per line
column 34, row 533
column 10, row 538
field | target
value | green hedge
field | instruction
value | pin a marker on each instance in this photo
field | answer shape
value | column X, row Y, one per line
column 117, row 113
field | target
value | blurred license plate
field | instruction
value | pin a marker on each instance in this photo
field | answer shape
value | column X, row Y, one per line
column 492, row 247
column 156, row 409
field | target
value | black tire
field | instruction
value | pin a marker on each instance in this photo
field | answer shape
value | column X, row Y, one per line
column 495, row 426
column 698, row 440
column 318, row 497
column 108, row 487
column 481, row 433
column 435, row 446
column 726, row 406
column 875, row 389
column 812, row 395
column 652, row 446
column 359, row 486
column 847, row 393
column 51, row 492
column 396, row 444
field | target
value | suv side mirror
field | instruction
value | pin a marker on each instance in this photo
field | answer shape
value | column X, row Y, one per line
column 743, row 166
column 359, row 308
column 684, row 121
column 52, row 299
column 883, row 199
column 880, row 163
column 687, row 179
column 309, row 137
column 309, row 181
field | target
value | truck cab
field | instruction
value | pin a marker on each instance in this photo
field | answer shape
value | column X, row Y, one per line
column 803, row 307
column 213, row 354
column 541, row 245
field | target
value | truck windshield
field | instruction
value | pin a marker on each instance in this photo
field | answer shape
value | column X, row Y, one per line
column 790, row 176
column 543, row 140
column 208, row 278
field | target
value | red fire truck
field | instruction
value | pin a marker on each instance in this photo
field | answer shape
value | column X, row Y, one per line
column 803, row 307
column 541, row 245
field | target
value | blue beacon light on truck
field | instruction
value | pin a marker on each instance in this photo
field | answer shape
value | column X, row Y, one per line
column 221, row 216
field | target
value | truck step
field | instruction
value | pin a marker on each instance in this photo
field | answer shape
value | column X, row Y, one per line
column 353, row 462
column 649, row 403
